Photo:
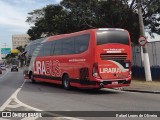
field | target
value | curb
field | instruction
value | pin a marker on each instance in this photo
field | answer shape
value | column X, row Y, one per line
column 141, row 91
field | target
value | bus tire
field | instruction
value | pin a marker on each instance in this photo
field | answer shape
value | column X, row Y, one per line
column 66, row 82
column 96, row 89
column 32, row 79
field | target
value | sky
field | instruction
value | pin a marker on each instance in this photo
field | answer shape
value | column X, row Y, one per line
column 14, row 14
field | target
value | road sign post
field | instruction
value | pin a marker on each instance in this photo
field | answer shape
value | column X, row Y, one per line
column 142, row 41
column 146, row 62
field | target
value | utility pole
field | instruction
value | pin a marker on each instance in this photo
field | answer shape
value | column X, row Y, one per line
column 5, row 53
column 146, row 62
column 5, row 48
column 5, row 45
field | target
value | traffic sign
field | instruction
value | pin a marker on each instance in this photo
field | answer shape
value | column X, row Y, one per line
column 5, row 50
column 142, row 40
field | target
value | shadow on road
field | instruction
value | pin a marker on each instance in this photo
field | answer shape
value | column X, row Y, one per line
column 54, row 88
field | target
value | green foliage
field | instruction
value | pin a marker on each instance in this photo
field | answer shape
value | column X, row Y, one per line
column 12, row 55
column 20, row 48
column 11, row 58
column 76, row 15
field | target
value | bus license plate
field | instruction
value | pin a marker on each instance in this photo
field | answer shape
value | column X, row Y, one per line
column 114, row 83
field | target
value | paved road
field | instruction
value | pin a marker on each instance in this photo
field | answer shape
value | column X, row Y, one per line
column 9, row 82
column 50, row 97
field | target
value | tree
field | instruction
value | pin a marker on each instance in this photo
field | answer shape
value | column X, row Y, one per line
column 20, row 48
column 53, row 21
column 151, row 17
column 103, row 14
column 75, row 15
column 12, row 55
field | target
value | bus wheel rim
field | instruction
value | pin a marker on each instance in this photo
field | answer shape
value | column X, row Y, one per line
column 66, row 82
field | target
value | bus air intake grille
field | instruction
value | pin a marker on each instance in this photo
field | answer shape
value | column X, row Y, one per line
column 113, row 56
column 84, row 73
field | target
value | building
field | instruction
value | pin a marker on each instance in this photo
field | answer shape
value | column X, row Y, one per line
column 19, row 40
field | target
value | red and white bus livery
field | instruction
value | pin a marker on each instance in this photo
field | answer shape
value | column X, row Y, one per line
column 93, row 58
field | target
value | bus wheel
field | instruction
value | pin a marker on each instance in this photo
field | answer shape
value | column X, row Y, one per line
column 66, row 82
column 32, row 79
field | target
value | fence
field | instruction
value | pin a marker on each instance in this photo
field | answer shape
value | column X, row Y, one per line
column 154, row 57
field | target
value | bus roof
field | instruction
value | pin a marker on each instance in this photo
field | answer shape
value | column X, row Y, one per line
column 36, row 41
column 80, row 32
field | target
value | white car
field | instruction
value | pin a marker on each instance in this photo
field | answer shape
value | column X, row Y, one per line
column 3, row 67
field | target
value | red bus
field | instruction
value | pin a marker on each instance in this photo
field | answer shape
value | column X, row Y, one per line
column 94, row 58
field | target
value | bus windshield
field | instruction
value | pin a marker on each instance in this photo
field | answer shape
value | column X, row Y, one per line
column 112, row 36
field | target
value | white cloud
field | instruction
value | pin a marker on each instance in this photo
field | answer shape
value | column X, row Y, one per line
column 14, row 12
column 12, row 16
column 13, row 22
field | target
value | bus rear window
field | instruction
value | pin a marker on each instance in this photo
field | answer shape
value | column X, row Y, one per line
column 112, row 36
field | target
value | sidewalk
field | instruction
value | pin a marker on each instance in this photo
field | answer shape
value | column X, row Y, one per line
column 144, row 86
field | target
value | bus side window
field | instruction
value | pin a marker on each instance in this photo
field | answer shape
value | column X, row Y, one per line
column 82, row 48
column 52, row 47
column 68, row 46
column 47, row 48
column 81, row 43
column 41, row 51
column 58, row 47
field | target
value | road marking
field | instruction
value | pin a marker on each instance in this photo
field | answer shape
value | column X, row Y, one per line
column 13, row 106
column 13, row 97
column 113, row 90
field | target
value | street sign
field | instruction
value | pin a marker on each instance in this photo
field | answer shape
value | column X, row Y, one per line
column 142, row 40
column 5, row 51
